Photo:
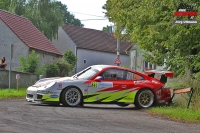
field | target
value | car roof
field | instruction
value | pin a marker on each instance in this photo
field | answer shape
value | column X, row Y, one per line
column 100, row 67
column 104, row 66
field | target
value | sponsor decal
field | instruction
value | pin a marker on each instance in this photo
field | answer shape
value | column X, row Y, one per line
column 102, row 84
column 53, row 92
column 60, row 85
column 161, row 101
column 156, row 82
column 94, row 84
column 85, row 90
column 158, row 93
column 54, row 96
column 141, row 81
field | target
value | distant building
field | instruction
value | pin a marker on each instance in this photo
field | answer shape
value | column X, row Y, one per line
column 137, row 61
column 91, row 46
column 25, row 37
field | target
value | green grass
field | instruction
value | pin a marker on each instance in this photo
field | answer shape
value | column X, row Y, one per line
column 12, row 93
column 177, row 113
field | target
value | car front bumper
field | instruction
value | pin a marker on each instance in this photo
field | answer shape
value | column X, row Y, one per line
column 32, row 95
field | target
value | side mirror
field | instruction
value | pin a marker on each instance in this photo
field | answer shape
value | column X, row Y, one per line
column 98, row 79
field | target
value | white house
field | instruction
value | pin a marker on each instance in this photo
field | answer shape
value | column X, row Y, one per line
column 24, row 37
column 137, row 61
column 91, row 46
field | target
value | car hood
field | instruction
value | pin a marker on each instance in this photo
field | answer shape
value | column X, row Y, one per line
column 46, row 81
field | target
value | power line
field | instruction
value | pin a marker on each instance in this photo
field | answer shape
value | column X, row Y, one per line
column 93, row 19
column 88, row 14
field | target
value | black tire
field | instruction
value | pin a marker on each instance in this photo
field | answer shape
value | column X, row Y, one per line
column 71, row 97
column 122, row 104
column 144, row 99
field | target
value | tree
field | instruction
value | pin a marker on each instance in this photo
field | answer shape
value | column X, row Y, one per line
column 5, row 4
column 107, row 28
column 30, row 63
column 52, row 70
column 70, row 57
column 150, row 24
column 69, row 18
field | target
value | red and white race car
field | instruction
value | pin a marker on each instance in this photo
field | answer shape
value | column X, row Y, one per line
column 103, row 84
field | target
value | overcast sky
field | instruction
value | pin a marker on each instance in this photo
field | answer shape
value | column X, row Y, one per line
column 87, row 11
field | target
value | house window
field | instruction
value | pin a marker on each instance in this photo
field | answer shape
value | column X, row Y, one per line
column 148, row 66
column 84, row 61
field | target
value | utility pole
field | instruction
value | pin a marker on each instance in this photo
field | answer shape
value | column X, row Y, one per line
column 118, row 49
column 10, row 50
column 11, row 56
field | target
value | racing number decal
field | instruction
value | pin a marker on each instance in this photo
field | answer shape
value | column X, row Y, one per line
column 94, row 84
column 102, row 84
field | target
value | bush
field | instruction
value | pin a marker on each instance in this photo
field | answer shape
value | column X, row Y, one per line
column 41, row 70
column 64, row 67
column 70, row 57
column 30, row 63
column 52, row 71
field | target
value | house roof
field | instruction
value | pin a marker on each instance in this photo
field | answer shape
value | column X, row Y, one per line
column 94, row 39
column 28, row 33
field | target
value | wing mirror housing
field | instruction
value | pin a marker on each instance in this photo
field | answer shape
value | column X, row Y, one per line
column 98, row 79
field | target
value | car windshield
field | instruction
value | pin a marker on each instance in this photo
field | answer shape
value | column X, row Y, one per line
column 86, row 73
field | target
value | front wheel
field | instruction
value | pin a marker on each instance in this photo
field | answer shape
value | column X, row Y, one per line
column 144, row 98
column 71, row 97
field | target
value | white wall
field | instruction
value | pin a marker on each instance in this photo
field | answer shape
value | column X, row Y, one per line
column 97, row 57
column 64, row 42
column 8, row 37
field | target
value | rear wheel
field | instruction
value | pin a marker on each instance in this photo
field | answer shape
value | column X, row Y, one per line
column 144, row 99
column 71, row 97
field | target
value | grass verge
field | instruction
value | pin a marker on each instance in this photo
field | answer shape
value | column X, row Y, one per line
column 12, row 93
column 176, row 113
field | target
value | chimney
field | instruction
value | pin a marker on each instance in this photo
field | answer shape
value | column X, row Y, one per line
column 110, row 30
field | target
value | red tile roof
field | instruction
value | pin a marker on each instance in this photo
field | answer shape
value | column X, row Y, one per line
column 28, row 33
column 94, row 39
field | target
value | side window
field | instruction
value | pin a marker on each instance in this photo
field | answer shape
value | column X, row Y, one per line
column 114, row 74
column 133, row 76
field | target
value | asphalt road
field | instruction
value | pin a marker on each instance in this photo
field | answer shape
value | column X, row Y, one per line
column 19, row 116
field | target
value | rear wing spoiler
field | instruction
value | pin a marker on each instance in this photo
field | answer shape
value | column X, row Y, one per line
column 151, row 73
column 163, row 77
